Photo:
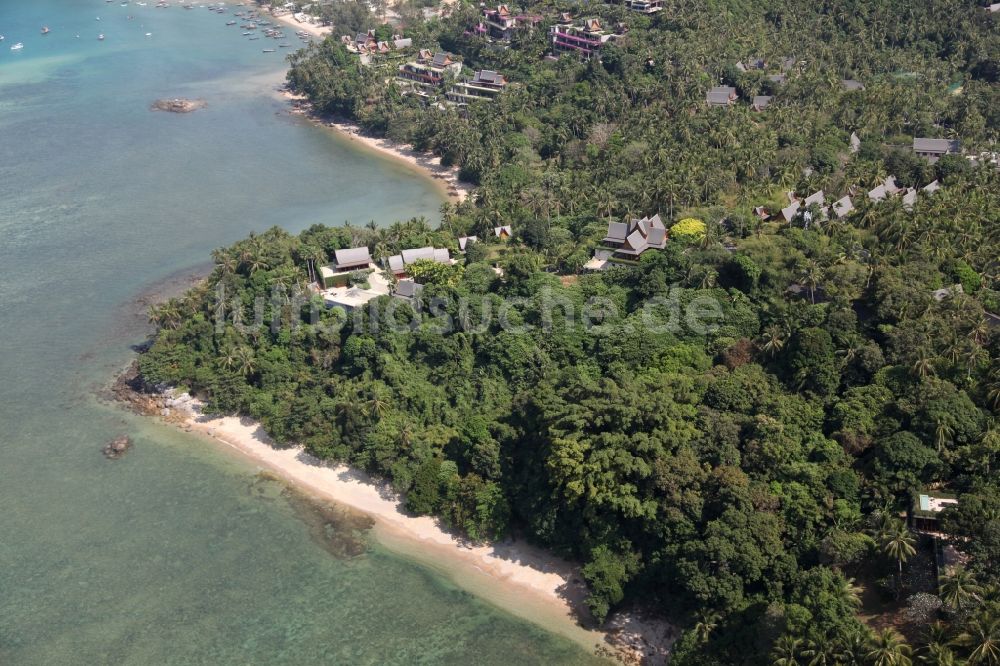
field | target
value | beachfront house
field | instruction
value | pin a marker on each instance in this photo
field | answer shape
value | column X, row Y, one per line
column 362, row 42
column 345, row 262
column 790, row 211
column 816, row 198
column 934, row 149
column 484, row 85
column 366, row 45
column 628, row 240
column 352, row 259
column 926, row 507
column 407, row 289
column 755, row 64
column 501, row 23
column 888, row 188
column 841, row 207
column 645, row 6
column 585, row 39
column 504, row 232
column 398, row 262
column 426, row 74
column 721, row 96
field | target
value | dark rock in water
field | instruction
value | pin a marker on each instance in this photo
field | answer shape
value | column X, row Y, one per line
column 136, row 393
column 178, row 105
column 117, row 447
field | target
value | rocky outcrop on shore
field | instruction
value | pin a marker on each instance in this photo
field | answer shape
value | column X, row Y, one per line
column 178, row 105
column 148, row 399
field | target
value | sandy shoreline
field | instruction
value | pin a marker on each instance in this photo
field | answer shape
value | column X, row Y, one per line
column 427, row 162
column 314, row 30
column 516, row 576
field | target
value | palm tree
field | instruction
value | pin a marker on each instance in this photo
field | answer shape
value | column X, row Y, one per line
column 820, row 653
column 229, row 358
column 887, row 648
column 982, row 636
column 849, row 592
column 993, row 391
column 246, row 360
column 786, row 651
column 811, row 274
column 852, row 648
column 707, row 622
column 773, row 339
column 224, row 260
column 924, row 365
column 938, row 655
column 377, row 406
column 943, row 434
column 958, row 588
column 897, row 543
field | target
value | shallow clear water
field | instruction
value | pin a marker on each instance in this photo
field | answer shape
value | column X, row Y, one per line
column 179, row 552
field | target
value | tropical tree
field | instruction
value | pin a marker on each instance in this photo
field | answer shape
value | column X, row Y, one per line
column 981, row 636
column 887, row 648
column 897, row 543
column 786, row 651
column 959, row 588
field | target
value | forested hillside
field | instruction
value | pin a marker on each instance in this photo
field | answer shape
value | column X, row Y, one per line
column 749, row 478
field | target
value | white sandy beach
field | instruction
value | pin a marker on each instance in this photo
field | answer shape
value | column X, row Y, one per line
column 514, row 575
column 449, row 175
column 430, row 164
column 314, row 30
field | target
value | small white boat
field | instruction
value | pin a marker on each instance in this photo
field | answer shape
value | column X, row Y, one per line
column 45, row 30
column 268, row 50
column 149, row 34
column 100, row 37
column 17, row 47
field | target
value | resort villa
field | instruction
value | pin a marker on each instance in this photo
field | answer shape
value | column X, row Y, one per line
column 501, row 23
column 408, row 289
column 398, row 262
column 926, row 507
column 934, row 149
column 645, row 6
column 886, row 189
column 627, row 241
column 464, row 241
column 721, row 96
column 345, row 262
column 427, row 73
column 335, row 280
column 842, row 207
column 504, row 232
column 485, row 85
column 584, row 39
column 366, row 45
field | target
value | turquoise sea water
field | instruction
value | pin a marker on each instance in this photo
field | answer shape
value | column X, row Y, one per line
column 179, row 552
